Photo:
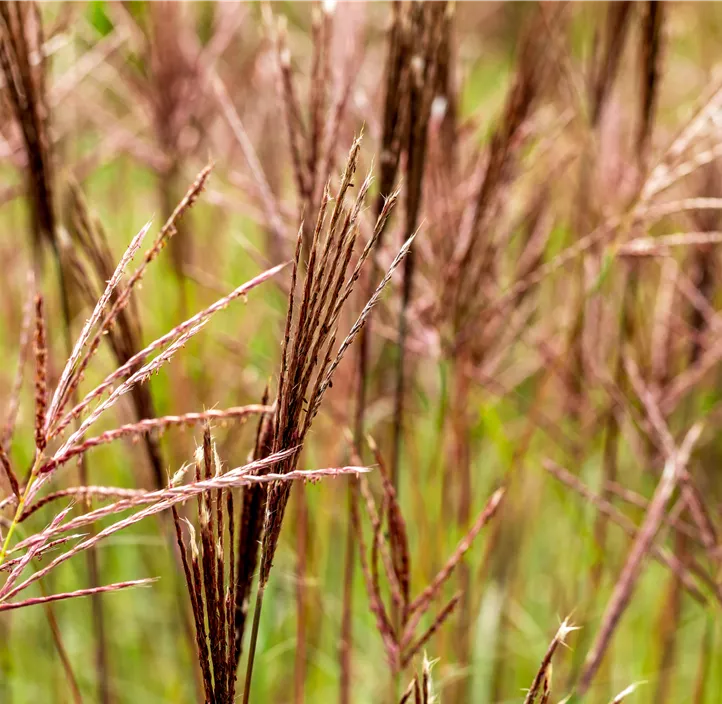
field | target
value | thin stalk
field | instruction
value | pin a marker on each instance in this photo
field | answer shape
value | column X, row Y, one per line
column 96, row 605
column 301, row 550
column 401, row 376
column 461, row 457
column 703, row 667
column 610, row 459
column 346, row 644
column 58, row 643
column 62, row 653
column 669, row 623
column 252, row 644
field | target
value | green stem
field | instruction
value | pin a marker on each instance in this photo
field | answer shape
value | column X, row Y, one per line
column 20, row 508
column 252, row 646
